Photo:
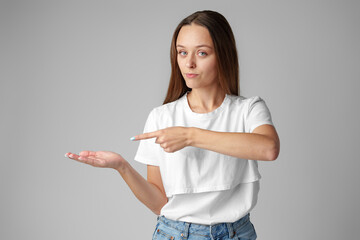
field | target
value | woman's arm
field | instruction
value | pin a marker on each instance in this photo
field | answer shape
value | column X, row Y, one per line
column 151, row 193
column 262, row 144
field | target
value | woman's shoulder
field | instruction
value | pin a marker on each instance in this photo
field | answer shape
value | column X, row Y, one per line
column 244, row 105
column 168, row 108
column 242, row 100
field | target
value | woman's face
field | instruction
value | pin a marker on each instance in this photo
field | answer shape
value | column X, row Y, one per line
column 196, row 57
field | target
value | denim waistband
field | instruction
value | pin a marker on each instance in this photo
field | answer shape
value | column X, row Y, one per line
column 219, row 229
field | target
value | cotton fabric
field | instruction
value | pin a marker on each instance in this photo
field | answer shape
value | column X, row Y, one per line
column 213, row 207
column 193, row 173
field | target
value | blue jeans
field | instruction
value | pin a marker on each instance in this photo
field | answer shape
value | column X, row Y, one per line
column 167, row 229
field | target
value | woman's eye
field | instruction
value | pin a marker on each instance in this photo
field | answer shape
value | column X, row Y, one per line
column 202, row 54
column 182, row 53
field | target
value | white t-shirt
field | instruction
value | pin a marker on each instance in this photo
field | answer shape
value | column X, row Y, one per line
column 204, row 186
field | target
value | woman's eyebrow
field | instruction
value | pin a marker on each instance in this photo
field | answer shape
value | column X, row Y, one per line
column 198, row 46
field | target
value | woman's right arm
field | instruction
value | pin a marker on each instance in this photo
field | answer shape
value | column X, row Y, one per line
column 150, row 192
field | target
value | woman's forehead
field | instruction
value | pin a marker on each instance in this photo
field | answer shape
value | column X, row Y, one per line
column 194, row 36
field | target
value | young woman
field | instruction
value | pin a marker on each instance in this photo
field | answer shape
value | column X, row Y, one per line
column 202, row 145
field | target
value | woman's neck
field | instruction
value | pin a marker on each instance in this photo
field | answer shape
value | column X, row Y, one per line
column 201, row 101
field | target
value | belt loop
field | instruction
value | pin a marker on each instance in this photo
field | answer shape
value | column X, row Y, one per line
column 185, row 234
column 230, row 230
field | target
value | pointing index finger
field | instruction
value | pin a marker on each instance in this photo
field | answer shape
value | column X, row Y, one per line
column 145, row 136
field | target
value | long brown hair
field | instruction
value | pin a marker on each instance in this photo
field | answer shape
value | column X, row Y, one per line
column 225, row 50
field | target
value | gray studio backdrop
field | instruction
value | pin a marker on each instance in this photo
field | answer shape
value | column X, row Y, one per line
column 84, row 75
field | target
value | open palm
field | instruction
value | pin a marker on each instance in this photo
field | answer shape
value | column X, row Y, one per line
column 105, row 159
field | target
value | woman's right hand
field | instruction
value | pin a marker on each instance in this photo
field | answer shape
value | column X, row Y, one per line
column 105, row 159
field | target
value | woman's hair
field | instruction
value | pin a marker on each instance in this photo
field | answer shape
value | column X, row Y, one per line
column 225, row 51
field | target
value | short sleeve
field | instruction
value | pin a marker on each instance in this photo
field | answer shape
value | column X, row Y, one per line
column 258, row 114
column 148, row 151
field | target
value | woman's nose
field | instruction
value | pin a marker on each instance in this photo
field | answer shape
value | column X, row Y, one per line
column 190, row 63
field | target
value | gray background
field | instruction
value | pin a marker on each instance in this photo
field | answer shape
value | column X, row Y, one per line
column 83, row 75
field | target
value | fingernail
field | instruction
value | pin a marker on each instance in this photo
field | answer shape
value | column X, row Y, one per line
column 132, row 138
column 66, row 155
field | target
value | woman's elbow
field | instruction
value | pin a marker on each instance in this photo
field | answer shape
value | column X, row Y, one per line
column 157, row 209
column 273, row 152
column 157, row 212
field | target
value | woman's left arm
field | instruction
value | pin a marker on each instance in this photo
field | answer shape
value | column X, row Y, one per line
column 262, row 144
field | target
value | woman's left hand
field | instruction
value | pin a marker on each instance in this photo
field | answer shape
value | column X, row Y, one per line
column 170, row 139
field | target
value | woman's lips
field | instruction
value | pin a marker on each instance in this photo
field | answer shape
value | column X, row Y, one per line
column 191, row 75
